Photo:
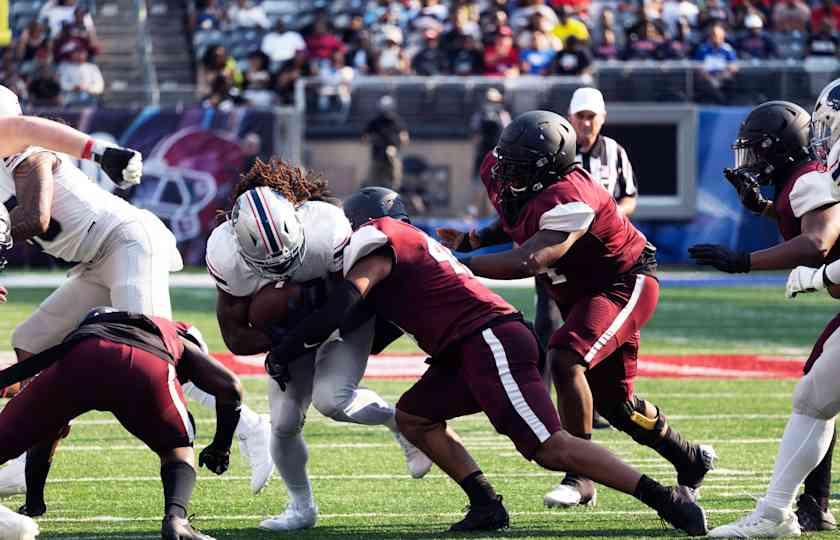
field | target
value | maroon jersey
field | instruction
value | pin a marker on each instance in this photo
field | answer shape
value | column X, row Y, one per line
column 807, row 188
column 428, row 294
column 611, row 245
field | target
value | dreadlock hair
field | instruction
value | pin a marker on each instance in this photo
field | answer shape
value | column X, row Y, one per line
column 296, row 184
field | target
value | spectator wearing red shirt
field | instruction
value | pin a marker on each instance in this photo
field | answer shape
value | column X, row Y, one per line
column 321, row 44
column 827, row 10
column 501, row 58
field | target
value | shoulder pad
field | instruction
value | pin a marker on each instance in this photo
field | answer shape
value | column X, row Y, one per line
column 225, row 264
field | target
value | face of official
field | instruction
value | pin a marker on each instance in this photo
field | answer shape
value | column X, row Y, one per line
column 587, row 126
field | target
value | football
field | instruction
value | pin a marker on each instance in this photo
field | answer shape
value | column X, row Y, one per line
column 270, row 305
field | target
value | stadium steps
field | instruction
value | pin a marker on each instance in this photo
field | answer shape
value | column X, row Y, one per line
column 116, row 26
column 171, row 51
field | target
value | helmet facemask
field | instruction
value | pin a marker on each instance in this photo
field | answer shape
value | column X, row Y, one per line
column 519, row 178
column 750, row 156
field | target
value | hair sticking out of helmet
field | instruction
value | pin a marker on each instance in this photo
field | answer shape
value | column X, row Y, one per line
column 9, row 103
column 825, row 123
column 6, row 241
column 374, row 202
column 295, row 184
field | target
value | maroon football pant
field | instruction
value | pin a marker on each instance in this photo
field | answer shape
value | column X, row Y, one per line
column 139, row 388
column 498, row 373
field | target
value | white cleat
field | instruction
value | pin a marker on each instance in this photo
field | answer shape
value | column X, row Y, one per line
column 293, row 518
column 14, row 526
column 254, row 445
column 566, row 496
column 417, row 462
column 13, row 477
column 763, row 522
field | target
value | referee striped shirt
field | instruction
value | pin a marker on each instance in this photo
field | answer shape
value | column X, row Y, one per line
column 609, row 165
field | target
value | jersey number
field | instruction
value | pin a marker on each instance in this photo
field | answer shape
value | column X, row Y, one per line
column 443, row 255
column 53, row 229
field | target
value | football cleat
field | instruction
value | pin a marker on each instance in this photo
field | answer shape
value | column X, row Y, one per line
column 293, row 518
column 416, row 461
column 177, row 528
column 572, row 491
column 599, row 422
column 683, row 513
column 13, row 477
column 704, row 461
column 763, row 522
column 254, row 445
column 33, row 510
column 486, row 517
column 812, row 517
column 16, row 527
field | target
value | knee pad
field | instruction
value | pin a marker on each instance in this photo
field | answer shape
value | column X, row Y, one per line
column 288, row 428
column 330, row 403
column 630, row 418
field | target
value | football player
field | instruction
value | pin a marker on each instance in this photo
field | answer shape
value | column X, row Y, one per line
column 124, row 256
column 772, row 149
column 601, row 272
column 282, row 230
column 131, row 365
column 483, row 358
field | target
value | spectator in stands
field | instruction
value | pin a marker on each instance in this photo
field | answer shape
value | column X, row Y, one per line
column 538, row 56
column 491, row 23
column 257, row 80
column 643, row 42
column 82, row 27
column 431, row 16
column 33, row 37
column 467, row 59
column 828, row 9
column 606, row 48
column 246, row 14
column 335, row 78
column 208, row 16
column 321, row 43
column 215, row 62
column 386, row 133
column 57, row 13
column 791, row 16
column 824, row 43
column 569, row 25
column 680, row 45
column 223, row 95
column 756, row 44
column 462, row 26
column 431, row 59
column 282, row 44
column 289, row 74
column 393, row 59
column 487, row 124
column 522, row 16
column 575, row 59
column 675, row 10
column 9, row 74
column 502, row 58
column 714, row 12
column 719, row 67
column 362, row 57
column 356, row 25
column 81, row 81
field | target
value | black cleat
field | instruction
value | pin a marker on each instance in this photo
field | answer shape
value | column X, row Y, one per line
column 683, row 513
column 704, row 461
column 33, row 510
column 176, row 528
column 599, row 422
column 812, row 517
column 487, row 517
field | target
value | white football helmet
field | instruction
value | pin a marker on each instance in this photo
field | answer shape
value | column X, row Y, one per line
column 825, row 121
column 269, row 233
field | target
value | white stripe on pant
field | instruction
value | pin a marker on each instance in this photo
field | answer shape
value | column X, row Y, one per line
column 619, row 320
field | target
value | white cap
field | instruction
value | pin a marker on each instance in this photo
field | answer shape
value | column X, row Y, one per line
column 9, row 104
column 753, row 21
column 587, row 99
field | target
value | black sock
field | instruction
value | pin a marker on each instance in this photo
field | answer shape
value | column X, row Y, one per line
column 651, row 492
column 478, row 489
column 587, row 436
column 673, row 447
column 818, row 483
column 38, row 463
column 178, row 482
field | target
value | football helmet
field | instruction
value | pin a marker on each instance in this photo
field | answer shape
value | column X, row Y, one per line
column 825, row 121
column 6, row 242
column 374, row 202
column 269, row 233
column 9, row 103
column 772, row 138
column 533, row 151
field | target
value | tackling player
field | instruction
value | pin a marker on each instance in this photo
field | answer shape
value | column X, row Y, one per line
column 772, row 148
column 282, row 230
column 601, row 272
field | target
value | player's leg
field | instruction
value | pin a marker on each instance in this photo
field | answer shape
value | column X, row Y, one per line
column 288, row 449
column 339, row 368
column 177, row 473
column 547, row 320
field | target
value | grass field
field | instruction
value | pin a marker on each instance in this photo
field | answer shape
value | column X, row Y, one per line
column 105, row 485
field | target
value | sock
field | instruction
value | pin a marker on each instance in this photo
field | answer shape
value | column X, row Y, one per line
column 178, row 482
column 651, row 492
column 248, row 419
column 673, row 447
column 290, row 456
column 478, row 489
column 391, row 423
column 818, row 482
column 803, row 446
column 38, row 463
column 587, row 436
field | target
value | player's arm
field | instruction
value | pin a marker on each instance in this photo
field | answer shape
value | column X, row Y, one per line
column 237, row 332
column 464, row 242
column 34, row 191
column 533, row 257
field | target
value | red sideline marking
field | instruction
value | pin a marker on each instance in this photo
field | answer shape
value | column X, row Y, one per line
column 704, row 366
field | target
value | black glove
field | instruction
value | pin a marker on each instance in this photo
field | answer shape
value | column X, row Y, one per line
column 277, row 367
column 464, row 245
column 123, row 166
column 215, row 459
column 724, row 259
column 313, row 294
column 749, row 191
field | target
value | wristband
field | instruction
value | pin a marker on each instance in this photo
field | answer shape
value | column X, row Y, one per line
column 86, row 151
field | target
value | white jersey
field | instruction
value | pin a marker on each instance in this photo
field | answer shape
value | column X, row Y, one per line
column 82, row 213
column 326, row 230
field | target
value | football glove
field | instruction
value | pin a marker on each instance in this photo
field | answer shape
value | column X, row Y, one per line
column 215, row 459
column 122, row 165
column 277, row 367
column 749, row 191
column 803, row 279
column 722, row 258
